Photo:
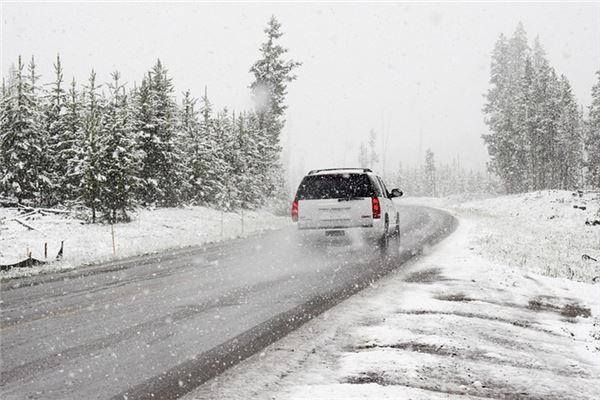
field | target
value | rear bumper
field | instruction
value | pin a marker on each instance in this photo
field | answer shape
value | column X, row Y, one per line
column 342, row 233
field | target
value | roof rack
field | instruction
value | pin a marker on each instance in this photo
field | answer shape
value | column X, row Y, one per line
column 314, row 171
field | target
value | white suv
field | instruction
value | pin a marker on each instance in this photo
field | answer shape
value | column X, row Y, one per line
column 341, row 202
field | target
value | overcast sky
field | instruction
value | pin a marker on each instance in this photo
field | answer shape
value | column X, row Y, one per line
column 415, row 73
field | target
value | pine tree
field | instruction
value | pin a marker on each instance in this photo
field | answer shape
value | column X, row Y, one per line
column 519, row 71
column 22, row 142
column 547, row 97
column 373, row 156
column 272, row 73
column 4, row 108
column 535, row 139
column 118, row 159
column 224, row 199
column 429, row 173
column 363, row 156
column 41, row 158
column 67, row 155
column 190, row 131
column 207, row 166
column 87, row 168
column 499, row 141
column 592, row 143
column 245, row 166
column 506, row 111
column 569, row 141
column 163, row 170
column 525, row 135
column 60, row 143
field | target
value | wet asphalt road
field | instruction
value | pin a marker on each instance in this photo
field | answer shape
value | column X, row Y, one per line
column 158, row 326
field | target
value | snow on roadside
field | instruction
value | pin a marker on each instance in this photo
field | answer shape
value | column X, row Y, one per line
column 453, row 324
column 150, row 231
column 543, row 232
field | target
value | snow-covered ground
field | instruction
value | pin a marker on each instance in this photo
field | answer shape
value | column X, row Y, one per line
column 543, row 232
column 150, row 231
column 461, row 322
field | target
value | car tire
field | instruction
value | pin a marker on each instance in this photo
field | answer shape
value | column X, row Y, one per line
column 385, row 238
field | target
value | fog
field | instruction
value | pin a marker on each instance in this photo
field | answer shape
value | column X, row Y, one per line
column 415, row 73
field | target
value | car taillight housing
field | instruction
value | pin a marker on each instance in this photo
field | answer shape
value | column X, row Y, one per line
column 376, row 207
column 295, row 211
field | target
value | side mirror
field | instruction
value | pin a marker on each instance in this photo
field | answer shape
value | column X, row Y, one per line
column 396, row 193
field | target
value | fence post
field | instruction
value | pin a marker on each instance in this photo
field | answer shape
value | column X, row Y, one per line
column 222, row 215
column 112, row 233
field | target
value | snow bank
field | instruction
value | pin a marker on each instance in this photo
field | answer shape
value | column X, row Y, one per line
column 543, row 232
column 150, row 231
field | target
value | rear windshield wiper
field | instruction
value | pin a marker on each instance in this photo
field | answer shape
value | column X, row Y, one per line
column 350, row 198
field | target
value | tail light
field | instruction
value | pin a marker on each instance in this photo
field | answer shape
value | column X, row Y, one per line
column 375, row 206
column 295, row 211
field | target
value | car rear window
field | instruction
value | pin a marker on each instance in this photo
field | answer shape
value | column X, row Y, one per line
column 335, row 186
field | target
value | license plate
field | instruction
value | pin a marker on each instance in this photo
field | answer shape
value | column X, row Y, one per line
column 335, row 233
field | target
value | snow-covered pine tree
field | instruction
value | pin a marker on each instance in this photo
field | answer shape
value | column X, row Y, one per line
column 516, row 107
column 4, row 106
column 190, row 131
column 87, row 167
column 272, row 73
column 373, row 156
column 592, row 143
column 22, row 140
column 245, row 163
column 363, row 156
column 142, row 114
column 268, row 166
column 400, row 176
column 207, row 165
column 69, row 183
column 507, row 138
column 60, row 142
column 235, row 157
column 413, row 181
column 497, row 118
column 546, row 96
column 535, row 139
column 429, row 174
column 224, row 199
column 119, row 159
column 443, row 185
column 42, row 157
column 264, row 164
column 163, row 172
column 237, row 161
column 526, row 134
column 569, row 141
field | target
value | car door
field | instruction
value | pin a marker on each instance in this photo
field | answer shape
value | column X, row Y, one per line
column 390, row 208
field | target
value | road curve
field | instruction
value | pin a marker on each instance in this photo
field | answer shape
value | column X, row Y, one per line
column 159, row 326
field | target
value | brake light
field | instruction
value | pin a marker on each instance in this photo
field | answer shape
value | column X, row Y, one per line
column 295, row 211
column 376, row 208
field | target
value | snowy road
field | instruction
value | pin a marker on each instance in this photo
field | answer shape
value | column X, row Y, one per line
column 161, row 325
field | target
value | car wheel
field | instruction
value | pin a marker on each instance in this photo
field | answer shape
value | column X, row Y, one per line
column 385, row 239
